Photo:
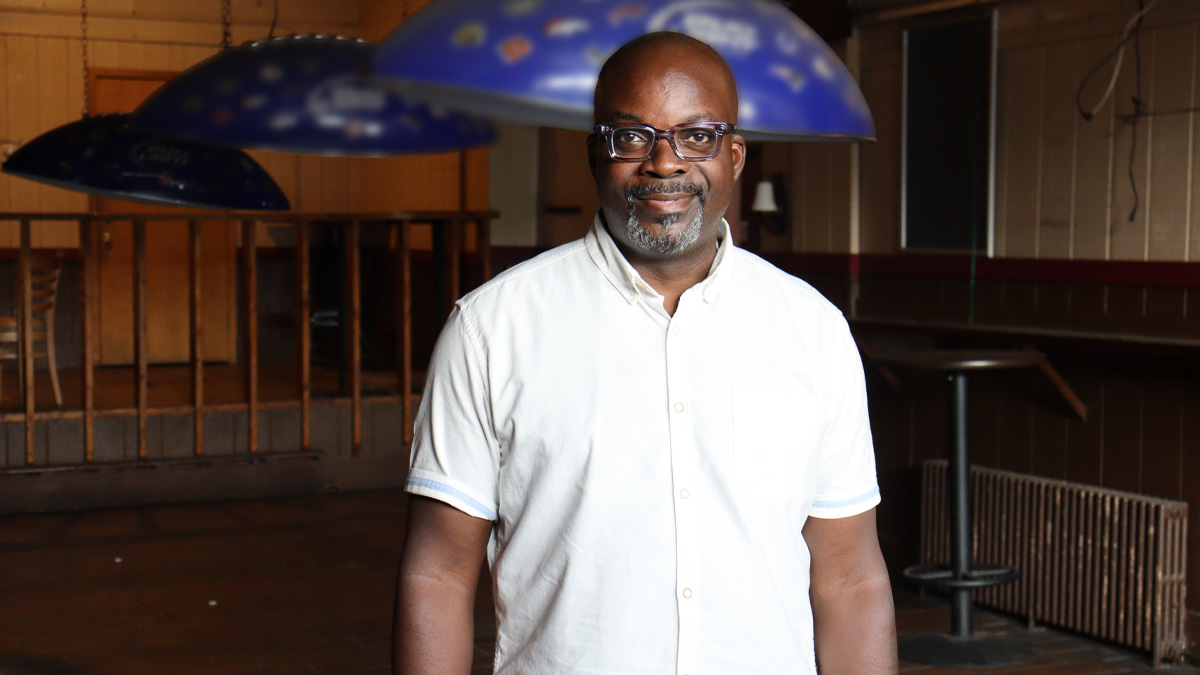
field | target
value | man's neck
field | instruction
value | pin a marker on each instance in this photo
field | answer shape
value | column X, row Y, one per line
column 672, row 277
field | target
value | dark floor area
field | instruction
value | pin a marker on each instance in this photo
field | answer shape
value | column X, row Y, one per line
column 299, row 585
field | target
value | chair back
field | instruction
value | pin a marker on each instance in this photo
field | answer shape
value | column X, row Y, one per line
column 45, row 269
column 44, row 272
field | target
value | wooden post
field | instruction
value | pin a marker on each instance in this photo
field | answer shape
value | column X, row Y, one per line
column 404, row 325
column 454, row 247
column 250, row 282
column 140, row 347
column 354, row 333
column 304, row 334
column 483, row 245
column 25, row 269
column 87, row 245
column 197, row 333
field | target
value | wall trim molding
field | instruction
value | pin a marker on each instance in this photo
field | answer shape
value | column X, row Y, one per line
column 1129, row 272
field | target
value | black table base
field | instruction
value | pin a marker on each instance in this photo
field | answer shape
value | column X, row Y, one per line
column 959, row 647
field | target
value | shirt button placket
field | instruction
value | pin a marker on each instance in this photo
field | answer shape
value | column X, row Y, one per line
column 683, row 469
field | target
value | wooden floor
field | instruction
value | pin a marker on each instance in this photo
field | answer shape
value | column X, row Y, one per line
column 299, row 585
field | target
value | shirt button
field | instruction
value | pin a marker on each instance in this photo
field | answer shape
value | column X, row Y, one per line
column 675, row 330
column 678, row 407
column 684, row 494
column 687, row 592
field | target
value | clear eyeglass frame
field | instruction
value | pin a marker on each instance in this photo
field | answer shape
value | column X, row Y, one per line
column 608, row 131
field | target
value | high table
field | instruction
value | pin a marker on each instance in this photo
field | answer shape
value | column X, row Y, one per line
column 960, row 647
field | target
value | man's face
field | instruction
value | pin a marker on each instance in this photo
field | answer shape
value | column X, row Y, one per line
column 665, row 206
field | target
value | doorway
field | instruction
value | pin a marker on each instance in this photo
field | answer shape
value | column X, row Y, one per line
column 168, row 328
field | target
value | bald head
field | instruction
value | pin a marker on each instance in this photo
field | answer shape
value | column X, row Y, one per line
column 658, row 55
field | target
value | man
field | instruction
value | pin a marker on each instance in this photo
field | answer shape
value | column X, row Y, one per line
column 649, row 432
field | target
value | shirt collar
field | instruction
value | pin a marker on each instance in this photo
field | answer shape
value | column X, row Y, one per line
column 629, row 283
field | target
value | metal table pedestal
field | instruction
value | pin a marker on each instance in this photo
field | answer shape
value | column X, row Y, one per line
column 961, row 647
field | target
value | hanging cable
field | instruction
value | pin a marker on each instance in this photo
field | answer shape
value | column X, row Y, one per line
column 1128, row 34
column 226, row 23
column 274, row 20
column 83, row 31
column 1138, row 107
column 1131, row 33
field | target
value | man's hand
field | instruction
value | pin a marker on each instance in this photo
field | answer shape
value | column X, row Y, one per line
column 854, row 620
column 434, row 624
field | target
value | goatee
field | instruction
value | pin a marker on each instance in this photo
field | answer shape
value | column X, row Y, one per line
column 667, row 242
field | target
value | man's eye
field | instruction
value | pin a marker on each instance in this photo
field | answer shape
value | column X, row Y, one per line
column 699, row 137
column 630, row 138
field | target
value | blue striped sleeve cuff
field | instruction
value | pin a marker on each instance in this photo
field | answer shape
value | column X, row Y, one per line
column 454, row 496
column 850, row 506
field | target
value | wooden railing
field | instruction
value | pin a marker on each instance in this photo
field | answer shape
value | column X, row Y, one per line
column 450, row 225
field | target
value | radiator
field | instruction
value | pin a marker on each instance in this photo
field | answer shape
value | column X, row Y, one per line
column 1100, row 562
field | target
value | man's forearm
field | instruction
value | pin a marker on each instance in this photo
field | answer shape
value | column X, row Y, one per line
column 434, row 627
column 855, row 629
column 854, row 621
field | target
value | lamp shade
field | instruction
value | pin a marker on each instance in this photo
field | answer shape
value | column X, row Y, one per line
column 306, row 95
column 103, row 155
column 764, row 198
column 536, row 61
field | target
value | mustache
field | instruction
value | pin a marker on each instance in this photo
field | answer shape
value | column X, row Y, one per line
column 666, row 187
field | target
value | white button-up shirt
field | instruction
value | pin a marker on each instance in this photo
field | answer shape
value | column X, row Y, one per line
column 648, row 475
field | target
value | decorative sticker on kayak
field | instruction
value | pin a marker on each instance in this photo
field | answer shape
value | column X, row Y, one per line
column 515, row 48
column 472, row 34
column 565, row 28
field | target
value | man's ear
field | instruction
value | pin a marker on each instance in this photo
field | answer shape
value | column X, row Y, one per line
column 592, row 141
column 738, row 154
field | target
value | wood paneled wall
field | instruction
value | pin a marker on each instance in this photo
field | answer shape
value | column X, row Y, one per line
column 1063, row 188
column 822, row 184
column 1139, row 437
column 1110, row 342
column 567, row 201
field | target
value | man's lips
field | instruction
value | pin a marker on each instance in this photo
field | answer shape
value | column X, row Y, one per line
column 667, row 203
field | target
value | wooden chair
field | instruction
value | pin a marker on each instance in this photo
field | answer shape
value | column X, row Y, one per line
column 45, row 270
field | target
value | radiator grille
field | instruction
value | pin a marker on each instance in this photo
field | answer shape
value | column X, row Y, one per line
column 1105, row 563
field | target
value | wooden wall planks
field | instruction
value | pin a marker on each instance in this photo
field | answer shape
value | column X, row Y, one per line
column 1063, row 187
column 1094, row 166
column 1060, row 70
column 1136, row 438
column 567, row 200
column 880, row 205
column 1169, row 181
column 1021, row 77
column 1127, row 221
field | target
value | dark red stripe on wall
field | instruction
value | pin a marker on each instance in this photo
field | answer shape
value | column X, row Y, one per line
column 1178, row 274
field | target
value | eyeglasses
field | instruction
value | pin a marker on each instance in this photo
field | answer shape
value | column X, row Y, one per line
column 693, row 141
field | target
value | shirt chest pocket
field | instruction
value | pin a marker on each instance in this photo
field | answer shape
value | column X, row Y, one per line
column 775, row 437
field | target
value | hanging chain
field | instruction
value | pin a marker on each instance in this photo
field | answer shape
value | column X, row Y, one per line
column 226, row 23
column 274, row 20
column 83, row 30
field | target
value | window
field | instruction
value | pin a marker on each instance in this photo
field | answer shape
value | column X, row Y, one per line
column 949, row 130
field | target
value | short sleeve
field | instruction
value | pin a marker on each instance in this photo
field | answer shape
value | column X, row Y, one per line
column 455, row 454
column 846, row 482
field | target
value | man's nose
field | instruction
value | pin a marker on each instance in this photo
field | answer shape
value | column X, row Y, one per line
column 663, row 161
